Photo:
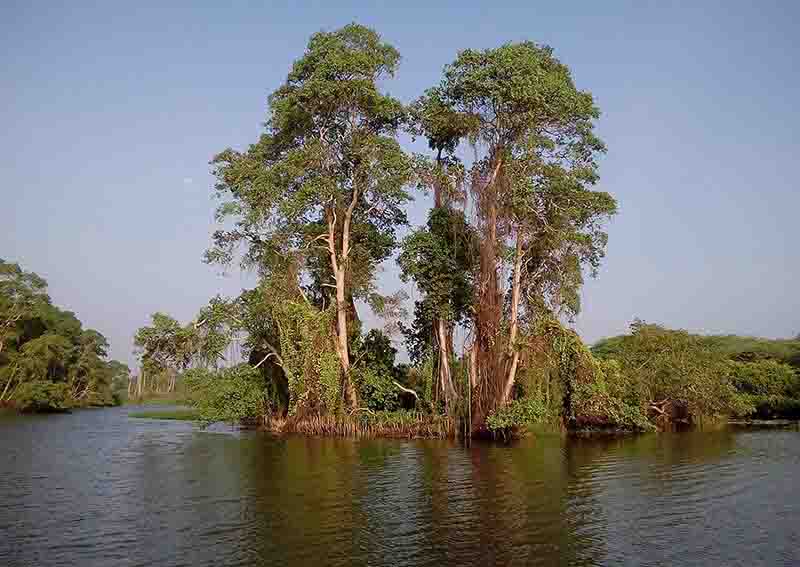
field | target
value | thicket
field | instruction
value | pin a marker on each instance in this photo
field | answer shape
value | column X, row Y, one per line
column 682, row 377
column 48, row 361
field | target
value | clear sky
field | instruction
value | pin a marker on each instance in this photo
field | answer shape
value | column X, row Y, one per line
column 110, row 112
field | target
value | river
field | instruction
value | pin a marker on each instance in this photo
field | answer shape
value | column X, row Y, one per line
column 99, row 488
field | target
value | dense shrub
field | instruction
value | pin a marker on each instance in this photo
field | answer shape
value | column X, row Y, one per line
column 674, row 367
column 610, row 399
column 375, row 373
column 772, row 407
column 763, row 377
column 376, row 389
column 232, row 395
column 519, row 414
column 42, row 396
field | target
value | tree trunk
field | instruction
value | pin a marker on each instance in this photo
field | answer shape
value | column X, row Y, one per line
column 8, row 383
column 490, row 354
column 339, row 266
column 140, row 383
column 342, row 307
column 473, row 365
column 437, row 191
column 445, row 377
column 512, row 349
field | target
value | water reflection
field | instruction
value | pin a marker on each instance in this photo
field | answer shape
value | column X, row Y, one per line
column 98, row 488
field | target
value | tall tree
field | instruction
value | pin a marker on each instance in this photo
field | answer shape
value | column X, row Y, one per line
column 21, row 295
column 440, row 257
column 327, row 175
column 531, row 184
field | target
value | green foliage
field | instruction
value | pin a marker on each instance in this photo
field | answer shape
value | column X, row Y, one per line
column 375, row 351
column 607, row 400
column 520, row 413
column 120, row 380
column 764, row 378
column 666, row 365
column 537, row 128
column 376, row 389
column 421, row 378
column 771, row 407
column 441, row 260
column 22, row 296
column 733, row 347
column 42, row 396
column 41, row 343
column 679, row 366
column 767, row 388
column 318, row 198
column 747, row 376
column 167, row 348
column 374, row 371
column 308, row 356
column 329, row 153
column 231, row 395
column 752, row 349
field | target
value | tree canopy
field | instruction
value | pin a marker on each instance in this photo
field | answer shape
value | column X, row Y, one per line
column 47, row 359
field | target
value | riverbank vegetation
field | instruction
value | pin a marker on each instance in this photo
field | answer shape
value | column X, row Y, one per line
column 48, row 361
column 682, row 377
column 314, row 208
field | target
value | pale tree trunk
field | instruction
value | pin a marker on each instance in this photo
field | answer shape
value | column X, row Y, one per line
column 5, row 390
column 473, row 365
column 514, row 329
column 140, row 383
column 437, row 191
column 445, row 377
column 339, row 266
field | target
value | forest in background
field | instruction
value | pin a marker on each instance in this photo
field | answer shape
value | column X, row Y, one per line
column 48, row 361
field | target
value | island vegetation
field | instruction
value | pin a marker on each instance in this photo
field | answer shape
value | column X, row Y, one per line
column 314, row 206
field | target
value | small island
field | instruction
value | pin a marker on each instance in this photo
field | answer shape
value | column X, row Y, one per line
column 316, row 205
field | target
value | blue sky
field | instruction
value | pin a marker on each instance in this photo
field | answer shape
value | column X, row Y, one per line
column 111, row 111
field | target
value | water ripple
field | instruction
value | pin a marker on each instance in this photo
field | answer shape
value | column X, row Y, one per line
column 96, row 488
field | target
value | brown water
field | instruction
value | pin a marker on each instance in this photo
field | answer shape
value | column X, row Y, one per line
column 97, row 487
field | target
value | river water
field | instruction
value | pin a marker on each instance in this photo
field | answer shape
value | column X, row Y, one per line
column 99, row 488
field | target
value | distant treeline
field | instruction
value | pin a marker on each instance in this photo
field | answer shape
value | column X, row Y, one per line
column 48, row 361
column 683, row 376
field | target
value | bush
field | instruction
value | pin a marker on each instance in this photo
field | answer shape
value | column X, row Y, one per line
column 667, row 366
column 609, row 400
column 520, row 413
column 763, row 377
column 376, row 390
column 232, row 395
column 771, row 407
column 42, row 396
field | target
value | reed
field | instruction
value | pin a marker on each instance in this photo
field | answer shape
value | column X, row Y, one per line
column 401, row 424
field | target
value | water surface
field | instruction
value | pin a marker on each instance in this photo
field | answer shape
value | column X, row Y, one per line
column 98, row 488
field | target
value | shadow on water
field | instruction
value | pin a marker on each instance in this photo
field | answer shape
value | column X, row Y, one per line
column 99, row 488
